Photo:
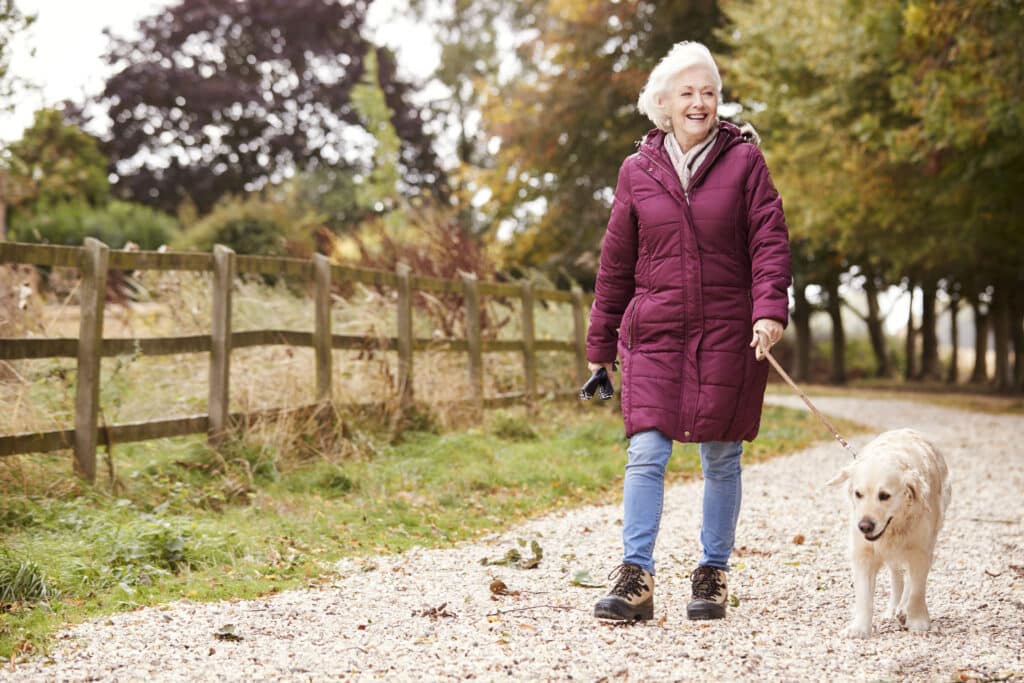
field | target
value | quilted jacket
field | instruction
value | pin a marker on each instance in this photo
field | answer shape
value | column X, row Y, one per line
column 680, row 283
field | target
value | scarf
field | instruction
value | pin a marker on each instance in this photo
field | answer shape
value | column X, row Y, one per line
column 686, row 163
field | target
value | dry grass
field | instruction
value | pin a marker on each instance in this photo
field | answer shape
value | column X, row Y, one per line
column 38, row 395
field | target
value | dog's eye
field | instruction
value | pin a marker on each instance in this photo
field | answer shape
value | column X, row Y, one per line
column 858, row 494
column 883, row 496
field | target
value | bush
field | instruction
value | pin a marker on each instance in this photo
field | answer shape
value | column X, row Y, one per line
column 252, row 225
column 115, row 224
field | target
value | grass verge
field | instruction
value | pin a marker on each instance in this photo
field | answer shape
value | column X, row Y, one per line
column 179, row 521
column 969, row 397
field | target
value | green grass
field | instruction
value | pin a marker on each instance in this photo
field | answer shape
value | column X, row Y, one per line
column 182, row 521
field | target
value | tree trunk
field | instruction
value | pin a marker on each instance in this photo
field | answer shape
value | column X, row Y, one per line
column 1017, row 335
column 1001, row 327
column 929, row 338
column 980, row 373
column 875, row 331
column 954, row 334
column 835, row 310
column 802, row 323
column 3, row 221
column 909, row 371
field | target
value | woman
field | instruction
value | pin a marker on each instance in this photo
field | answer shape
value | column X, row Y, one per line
column 694, row 270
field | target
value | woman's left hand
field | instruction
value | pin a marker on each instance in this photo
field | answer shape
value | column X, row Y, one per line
column 767, row 333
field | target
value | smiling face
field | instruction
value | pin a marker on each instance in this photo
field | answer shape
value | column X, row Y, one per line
column 878, row 495
column 692, row 105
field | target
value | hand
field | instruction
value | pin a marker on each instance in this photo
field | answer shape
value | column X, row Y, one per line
column 767, row 333
column 608, row 367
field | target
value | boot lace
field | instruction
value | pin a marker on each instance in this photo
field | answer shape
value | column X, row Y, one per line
column 706, row 585
column 628, row 580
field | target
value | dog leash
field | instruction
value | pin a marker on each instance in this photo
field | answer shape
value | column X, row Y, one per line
column 824, row 421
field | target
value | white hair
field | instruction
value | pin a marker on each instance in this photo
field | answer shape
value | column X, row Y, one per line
column 681, row 57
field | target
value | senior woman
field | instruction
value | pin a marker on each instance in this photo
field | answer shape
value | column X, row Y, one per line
column 690, row 292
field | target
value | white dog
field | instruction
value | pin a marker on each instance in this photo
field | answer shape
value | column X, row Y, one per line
column 899, row 490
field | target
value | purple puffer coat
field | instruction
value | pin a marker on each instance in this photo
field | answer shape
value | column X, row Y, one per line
column 681, row 283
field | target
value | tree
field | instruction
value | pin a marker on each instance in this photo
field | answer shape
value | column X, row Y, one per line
column 13, row 189
column 824, row 82
column 959, row 73
column 55, row 163
column 12, row 23
column 224, row 96
column 568, row 118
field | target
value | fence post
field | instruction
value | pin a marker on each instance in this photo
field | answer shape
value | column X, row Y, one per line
column 476, row 361
column 220, row 347
column 322, row 331
column 405, row 341
column 529, row 352
column 92, row 295
column 579, row 327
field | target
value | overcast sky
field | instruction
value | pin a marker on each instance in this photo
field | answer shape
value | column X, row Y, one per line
column 68, row 40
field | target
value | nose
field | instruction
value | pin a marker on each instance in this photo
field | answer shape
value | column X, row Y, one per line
column 866, row 526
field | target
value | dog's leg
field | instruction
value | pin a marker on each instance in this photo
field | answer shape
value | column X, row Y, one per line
column 917, row 579
column 896, row 596
column 865, row 571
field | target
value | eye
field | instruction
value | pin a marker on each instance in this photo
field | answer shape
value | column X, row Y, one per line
column 882, row 495
column 858, row 494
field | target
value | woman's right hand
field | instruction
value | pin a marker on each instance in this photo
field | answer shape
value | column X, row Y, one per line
column 608, row 367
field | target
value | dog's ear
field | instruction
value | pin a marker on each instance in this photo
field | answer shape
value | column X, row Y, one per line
column 842, row 476
column 917, row 487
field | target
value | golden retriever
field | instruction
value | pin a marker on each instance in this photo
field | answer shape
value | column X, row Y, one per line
column 899, row 490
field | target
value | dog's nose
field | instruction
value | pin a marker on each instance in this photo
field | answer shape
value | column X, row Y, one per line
column 866, row 526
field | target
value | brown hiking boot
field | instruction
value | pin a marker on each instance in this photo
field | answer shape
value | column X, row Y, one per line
column 632, row 596
column 709, row 594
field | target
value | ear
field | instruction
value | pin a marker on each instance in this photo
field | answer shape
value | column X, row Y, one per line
column 843, row 475
column 917, row 488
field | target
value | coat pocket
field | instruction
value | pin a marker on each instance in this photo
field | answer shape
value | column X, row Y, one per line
column 629, row 316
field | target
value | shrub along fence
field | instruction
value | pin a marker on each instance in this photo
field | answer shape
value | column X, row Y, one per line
column 95, row 259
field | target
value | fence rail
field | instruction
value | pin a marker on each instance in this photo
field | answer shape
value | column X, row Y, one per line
column 95, row 260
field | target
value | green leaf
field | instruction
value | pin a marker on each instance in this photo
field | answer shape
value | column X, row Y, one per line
column 583, row 579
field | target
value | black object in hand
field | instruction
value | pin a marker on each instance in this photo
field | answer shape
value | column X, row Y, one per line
column 600, row 383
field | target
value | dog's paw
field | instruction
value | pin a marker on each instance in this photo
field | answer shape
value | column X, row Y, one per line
column 899, row 616
column 855, row 630
column 918, row 623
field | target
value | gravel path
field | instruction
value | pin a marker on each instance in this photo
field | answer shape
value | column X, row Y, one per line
column 430, row 614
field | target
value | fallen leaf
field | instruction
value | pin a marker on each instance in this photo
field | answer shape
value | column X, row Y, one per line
column 583, row 579
column 511, row 557
column 226, row 632
column 498, row 587
column 435, row 612
column 798, row 539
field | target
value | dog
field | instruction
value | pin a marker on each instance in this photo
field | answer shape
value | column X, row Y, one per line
column 899, row 490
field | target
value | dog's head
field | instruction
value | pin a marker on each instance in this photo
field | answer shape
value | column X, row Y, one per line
column 882, row 492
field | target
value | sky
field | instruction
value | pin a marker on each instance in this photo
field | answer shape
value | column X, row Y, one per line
column 68, row 41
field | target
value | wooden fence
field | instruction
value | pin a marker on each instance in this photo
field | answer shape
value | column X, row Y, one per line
column 95, row 259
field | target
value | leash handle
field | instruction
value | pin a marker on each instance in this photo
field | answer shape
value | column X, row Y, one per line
column 817, row 413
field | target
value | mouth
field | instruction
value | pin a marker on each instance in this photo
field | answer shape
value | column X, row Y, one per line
column 696, row 117
column 879, row 534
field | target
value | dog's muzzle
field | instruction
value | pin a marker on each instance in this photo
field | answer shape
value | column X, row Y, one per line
column 866, row 526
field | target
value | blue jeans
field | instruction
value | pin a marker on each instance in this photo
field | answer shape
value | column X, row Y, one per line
column 644, row 491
